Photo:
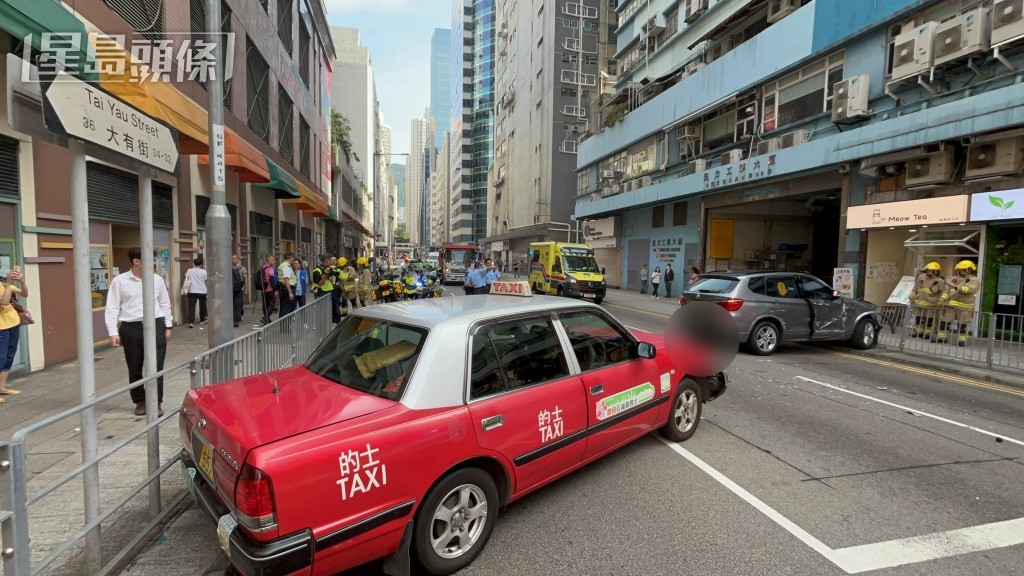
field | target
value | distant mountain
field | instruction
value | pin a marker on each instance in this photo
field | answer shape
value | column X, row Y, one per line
column 397, row 172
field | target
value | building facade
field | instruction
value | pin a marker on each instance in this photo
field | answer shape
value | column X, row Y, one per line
column 277, row 149
column 775, row 135
column 415, row 179
column 547, row 69
column 440, row 81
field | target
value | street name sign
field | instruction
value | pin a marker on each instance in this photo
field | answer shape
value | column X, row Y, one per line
column 84, row 112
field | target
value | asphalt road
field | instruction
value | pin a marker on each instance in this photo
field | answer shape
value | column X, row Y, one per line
column 814, row 462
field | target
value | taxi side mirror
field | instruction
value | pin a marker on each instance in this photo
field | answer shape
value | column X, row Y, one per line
column 646, row 350
column 836, row 295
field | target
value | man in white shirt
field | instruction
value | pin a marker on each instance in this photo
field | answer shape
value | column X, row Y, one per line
column 124, row 325
column 285, row 283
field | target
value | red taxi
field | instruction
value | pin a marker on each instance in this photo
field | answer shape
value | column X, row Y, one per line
column 414, row 423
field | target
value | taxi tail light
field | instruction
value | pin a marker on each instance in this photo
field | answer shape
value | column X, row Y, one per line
column 254, row 500
column 731, row 305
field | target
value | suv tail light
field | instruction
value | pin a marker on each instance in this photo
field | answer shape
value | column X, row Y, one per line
column 731, row 305
column 254, row 500
column 682, row 300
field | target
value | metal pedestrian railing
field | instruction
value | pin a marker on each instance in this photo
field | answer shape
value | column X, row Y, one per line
column 985, row 338
column 51, row 524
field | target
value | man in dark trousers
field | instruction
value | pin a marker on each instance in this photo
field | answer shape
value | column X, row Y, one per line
column 239, row 280
column 670, row 275
column 124, row 325
column 268, row 289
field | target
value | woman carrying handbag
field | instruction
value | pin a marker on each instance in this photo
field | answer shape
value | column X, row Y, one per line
column 10, row 327
column 655, row 281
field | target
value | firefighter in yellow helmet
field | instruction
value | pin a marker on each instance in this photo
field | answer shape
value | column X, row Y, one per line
column 958, row 302
column 928, row 289
column 346, row 285
column 364, row 281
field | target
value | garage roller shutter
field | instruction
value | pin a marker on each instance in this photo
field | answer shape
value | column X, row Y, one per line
column 114, row 196
column 8, row 167
column 608, row 258
column 203, row 206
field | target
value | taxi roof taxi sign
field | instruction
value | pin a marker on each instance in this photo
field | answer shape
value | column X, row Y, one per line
column 521, row 288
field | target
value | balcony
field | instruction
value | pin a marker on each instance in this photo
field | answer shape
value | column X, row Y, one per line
column 577, row 79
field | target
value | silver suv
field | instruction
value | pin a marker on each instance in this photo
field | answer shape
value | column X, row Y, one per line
column 772, row 307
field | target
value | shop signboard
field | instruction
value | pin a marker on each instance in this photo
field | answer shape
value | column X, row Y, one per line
column 997, row 205
column 930, row 211
column 603, row 228
column 901, row 294
column 842, row 280
column 84, row 112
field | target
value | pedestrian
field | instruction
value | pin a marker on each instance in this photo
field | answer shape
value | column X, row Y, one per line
column 655, row 281
column 515, row 269
column 669, row 276
column 239, row 286
column 346, row 286
column 958, row 303
column 476, row 279
column 268, row 286
column 195, row 277
column 643, row 279
column 928, row 288
column 123, row 318
column 694, row 274
column 10, row 327
column 301, row 284
column 364, row 282
column 491, row 275
column 286, row 285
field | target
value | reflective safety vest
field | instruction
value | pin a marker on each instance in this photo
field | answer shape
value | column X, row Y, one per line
column 348, row 281
column 327, row 286
column 927, row 291
column 960, row 291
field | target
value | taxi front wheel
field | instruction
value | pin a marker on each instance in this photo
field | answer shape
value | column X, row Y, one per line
column 455, row 521
column 684, row 414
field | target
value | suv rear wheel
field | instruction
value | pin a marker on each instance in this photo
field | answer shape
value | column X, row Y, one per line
column 764, row 338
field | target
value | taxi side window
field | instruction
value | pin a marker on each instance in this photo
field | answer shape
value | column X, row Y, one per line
column 781, row 287
column 596, row 341
column 515, row 355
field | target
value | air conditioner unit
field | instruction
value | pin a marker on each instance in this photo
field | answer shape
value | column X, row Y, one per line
column 607, row 174
column 646, row 181
column 616, row 188
column 698, row 165
column 1007, row 21
column 690, row 131
column 768, row 146
column 731, row 157
column 694, row 8
column 914, row 51
column 795, row 138
column 962, row 36
column 850, row 99
column 779, row 9
column 997, row 158
column 935, row 168
column 655, row 25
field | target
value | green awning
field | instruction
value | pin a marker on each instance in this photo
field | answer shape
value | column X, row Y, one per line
column 332, row 216
column 281, row 181
column 22, row 18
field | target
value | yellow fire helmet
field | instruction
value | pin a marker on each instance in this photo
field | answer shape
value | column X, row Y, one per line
column 342, row 261
column 363, row 261
column 966, row 265
column 933, row 266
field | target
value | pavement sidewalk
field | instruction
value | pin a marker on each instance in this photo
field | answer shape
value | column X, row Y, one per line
column 665, row 307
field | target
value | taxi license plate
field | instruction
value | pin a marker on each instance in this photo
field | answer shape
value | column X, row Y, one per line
column 590, row 295
column 203, row 452
column 225, row 526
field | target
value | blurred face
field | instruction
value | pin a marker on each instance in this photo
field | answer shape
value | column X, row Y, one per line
column 931, row 273
column 490, row 263
column 963, row 272
column 234, row 260
column 295, row 264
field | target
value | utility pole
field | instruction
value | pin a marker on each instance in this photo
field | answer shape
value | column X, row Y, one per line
column 218, row 220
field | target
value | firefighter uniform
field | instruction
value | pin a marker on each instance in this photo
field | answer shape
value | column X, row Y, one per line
column 346, row 286
column 928, row 289
column 364, row 281
column 958, row 303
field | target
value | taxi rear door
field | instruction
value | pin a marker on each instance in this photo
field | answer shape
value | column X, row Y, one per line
column 524, row 402
column 623, row 390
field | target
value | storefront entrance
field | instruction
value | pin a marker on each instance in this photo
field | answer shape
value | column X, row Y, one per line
column 893, row 255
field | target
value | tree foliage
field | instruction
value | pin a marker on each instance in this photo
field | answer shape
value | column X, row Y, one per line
column 341, row 136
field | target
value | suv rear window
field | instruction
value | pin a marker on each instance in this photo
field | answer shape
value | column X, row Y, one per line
column 712, row 285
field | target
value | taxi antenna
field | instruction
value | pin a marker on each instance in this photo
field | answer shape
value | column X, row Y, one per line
column 276, row 389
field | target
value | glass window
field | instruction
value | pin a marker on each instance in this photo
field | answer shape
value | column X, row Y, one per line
column 521, row 352
column 781, row 287
column 596, row 341
column 756, row 285
column 369, row 355
column 485, row 373
column 712, row 285
column 814, row 288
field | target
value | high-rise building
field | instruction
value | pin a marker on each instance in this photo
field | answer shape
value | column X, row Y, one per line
column 414, row 179
column 440, row 184
column 440, row 81
column 546, row 70
column 473, row 105
column 384, row 224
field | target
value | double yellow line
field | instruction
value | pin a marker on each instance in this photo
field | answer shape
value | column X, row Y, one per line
column 932, row 373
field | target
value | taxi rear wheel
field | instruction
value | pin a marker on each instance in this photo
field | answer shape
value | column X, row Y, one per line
column 684, row 415
column 455, row 521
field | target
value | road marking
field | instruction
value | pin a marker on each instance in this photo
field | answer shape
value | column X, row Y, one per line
column 926, row 372
column 856, row 559
column 648, row 312
column 914, row 410
column 930, row 546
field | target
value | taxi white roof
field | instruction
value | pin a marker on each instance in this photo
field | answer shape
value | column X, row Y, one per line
column 465, row 310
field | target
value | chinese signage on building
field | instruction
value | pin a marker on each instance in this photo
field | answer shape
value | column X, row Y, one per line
column 739, row 172
column 998, row 205
column 930, row 211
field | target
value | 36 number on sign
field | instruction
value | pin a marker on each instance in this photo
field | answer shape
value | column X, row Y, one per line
column 88, row 123
column 218, row 155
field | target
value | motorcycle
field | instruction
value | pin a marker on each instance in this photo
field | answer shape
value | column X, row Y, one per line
column 387, row 290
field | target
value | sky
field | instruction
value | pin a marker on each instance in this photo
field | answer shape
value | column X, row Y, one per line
column 397, row 32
